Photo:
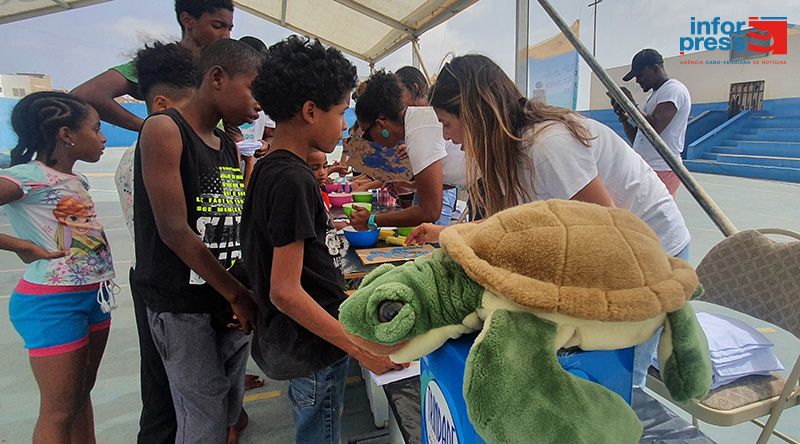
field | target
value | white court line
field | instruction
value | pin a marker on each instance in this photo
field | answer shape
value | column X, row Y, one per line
column 17, row 270
column 8, row 296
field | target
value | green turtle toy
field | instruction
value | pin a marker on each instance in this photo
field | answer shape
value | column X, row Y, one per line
column 534, row 279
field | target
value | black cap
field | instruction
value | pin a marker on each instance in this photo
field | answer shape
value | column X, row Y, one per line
column 645, row 57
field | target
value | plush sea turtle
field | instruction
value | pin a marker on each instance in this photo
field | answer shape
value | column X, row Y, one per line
column 534, row 279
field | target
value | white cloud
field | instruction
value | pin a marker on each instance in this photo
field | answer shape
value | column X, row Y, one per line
column 134, row 30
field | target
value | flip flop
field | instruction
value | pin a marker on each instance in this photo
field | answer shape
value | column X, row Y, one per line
column 253, row 381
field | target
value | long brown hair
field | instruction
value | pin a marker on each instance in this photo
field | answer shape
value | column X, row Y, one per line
column 499, row 123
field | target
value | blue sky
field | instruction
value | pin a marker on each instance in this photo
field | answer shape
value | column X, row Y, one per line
column 73, row 46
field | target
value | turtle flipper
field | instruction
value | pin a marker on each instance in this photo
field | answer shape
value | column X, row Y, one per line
column 516, row 392
column 683, row 355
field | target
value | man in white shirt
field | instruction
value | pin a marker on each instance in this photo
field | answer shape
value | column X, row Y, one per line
column 666, row 108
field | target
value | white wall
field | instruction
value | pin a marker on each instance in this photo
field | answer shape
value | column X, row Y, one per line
column 711, row 83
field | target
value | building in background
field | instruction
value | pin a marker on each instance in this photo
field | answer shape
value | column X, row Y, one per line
column 745, row 116
column 713, row 78
column 19, row 85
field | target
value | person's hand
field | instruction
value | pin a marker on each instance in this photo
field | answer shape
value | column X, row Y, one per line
column 620, row 111
column 245, row 311
column 339, row 168
column 261, row 152
column 29, row 252
column 424, row 234
column 378, row 364
column 359, row 218
column 402, row 151
column 627, row 93
column 367, row 185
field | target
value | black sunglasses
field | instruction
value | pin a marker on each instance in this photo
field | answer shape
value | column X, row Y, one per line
column 366, row 135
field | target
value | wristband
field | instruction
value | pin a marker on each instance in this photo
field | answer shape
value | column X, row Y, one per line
column 371, row 222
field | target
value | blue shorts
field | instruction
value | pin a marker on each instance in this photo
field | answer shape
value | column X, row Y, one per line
column 53, row 320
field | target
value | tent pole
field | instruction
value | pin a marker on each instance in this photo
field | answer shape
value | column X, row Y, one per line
column 521, row 38
column 709, row 206
column 417, row 59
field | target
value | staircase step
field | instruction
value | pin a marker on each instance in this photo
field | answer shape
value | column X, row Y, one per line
column 775, row 122
column 776, row 161
column 759, row 148
column 753, row 171
column 766, row 134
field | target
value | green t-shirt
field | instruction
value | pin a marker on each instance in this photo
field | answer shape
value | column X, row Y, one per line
column 128, row 70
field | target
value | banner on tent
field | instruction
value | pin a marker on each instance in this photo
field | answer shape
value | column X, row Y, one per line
column 553, row 70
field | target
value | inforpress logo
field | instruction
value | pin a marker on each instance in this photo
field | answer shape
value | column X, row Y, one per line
column 768, row 35
column 772, row 28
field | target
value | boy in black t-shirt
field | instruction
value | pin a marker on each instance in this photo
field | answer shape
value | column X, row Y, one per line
column 187, row 208
column 290, row 248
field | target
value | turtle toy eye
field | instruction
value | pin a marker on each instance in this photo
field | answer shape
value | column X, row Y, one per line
column 388, row 310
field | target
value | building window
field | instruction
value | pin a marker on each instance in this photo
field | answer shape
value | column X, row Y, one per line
column 18, row 92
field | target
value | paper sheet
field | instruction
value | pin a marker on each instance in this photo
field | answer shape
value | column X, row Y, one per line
column 396, row 375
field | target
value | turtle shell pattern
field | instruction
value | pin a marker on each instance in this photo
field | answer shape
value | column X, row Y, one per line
column 573, row 258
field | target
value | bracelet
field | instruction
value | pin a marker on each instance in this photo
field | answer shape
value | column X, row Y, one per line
column 371, row 222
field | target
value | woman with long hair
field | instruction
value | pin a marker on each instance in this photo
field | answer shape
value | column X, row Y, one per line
column 521, row 150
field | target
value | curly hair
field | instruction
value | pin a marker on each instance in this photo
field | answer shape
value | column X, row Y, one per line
column 382, row 97
column 170, row 65
column 297, row 70
column 37, row 118
column 196, row 8
column 414, row 81
column 233, row 56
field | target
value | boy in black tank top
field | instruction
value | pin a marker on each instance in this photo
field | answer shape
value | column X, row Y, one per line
column 291, row 250
column 187, row 208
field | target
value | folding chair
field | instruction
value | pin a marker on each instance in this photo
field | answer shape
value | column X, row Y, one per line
column 753, row 274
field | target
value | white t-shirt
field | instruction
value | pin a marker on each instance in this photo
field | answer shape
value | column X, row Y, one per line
column 454, row 165
column 675, row 132
column 562, row 166
column 253, row 132
column 424, row 140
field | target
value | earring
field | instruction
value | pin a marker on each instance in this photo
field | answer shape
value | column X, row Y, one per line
column 70, row 145
column 385, row 133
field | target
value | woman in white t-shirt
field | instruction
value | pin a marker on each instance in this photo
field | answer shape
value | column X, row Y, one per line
column 526, row 150
column 386, row 120
column 415, row 91
column 537, row 151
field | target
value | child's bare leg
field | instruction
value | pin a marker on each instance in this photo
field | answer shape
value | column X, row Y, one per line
column 83, row 429
column 60, row 379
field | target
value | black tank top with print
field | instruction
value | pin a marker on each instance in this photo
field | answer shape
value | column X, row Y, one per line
column 213, row 190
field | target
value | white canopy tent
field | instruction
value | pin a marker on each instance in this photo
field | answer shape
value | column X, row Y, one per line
column 13, row 10
column 367, row 29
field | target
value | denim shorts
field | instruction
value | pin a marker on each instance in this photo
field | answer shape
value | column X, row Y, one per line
column 317, row 401
column 53, row 320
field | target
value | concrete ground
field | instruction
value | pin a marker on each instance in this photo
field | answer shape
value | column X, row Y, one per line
column 748, row 203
